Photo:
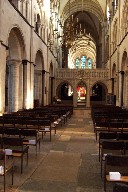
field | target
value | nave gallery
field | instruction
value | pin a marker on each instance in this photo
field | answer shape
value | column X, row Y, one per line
column 74, row 50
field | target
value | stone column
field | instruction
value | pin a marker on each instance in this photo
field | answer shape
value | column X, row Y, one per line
column 10, row 87
column 32, row 84
column 122, row 87
column 88, row 97
column 112, row 79
column 19, row 2
column 75, row 95
column 47, row 88
column 24, row 62
column 16, row 86
column 43, row 86
column 126, row 89
column 39, row 87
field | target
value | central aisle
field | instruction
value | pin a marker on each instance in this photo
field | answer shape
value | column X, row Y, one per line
column 67, row 164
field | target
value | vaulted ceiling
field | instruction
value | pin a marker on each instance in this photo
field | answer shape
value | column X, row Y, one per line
column 90, row 14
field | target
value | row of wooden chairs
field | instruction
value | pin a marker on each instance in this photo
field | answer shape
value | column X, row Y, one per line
column 43, row 126
column 111, row 136
column 21, row 129
column 113, row 147
column 110, row 126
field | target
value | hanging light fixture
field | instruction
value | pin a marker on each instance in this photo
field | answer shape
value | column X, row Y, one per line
column 73, row 29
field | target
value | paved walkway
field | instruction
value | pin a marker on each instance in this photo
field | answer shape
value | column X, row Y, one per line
column 69, row 163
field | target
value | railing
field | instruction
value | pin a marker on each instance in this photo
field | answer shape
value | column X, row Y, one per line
column 82, row 73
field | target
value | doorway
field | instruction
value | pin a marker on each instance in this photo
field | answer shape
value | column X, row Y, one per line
column 98, row 94
column 81, row 94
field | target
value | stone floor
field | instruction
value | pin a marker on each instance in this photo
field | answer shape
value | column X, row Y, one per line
column 69, row 163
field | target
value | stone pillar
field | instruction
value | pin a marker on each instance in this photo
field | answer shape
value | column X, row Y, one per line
column 122, row 87
column 10, row 88
column 32, row 84
column 49, row 95
column 47, row 88
column 19, row 2
column 88, row 97
column 3, row 56
column 24, row 62
column 40, row 86
column 13, row 85
column 16, row 86
column 43, row 86
column 112, row 79
column 126, row 89
column 75, row 96
column 103, row 46
column 51, row 80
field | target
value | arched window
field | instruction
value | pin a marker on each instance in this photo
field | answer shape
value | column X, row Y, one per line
column 89, row 63
column 77, row 63
column 83, row 64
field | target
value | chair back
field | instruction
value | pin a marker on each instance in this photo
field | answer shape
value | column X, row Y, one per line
column 113, row 147
column 12, row 131
column 28, row 132
column 122, row 136
column 120, row 187
column 9, row 141
column 107, row 135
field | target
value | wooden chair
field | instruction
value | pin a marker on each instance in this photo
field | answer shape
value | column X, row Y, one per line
column 122, row 136
column 31, row 137
column 105, row 136
column 125, row 126
column 6, row 165
column 45, row 127
column 111, row 147
column 120, row 187
column 17, row 147
column 9, row 131
column 101, row 126
column 116, row 163
column 115, row 125
column 9, row 122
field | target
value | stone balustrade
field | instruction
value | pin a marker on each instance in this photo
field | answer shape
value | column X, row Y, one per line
column 82, row 73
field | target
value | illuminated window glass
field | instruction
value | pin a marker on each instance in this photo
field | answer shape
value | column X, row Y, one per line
column 77, row 63
column 83, row 64
column 89, row 64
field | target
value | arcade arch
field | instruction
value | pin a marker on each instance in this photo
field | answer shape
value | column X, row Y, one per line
column 14, row 88
column 64, row 92
column 39, row 78
column 98, row 93
column 124, row 80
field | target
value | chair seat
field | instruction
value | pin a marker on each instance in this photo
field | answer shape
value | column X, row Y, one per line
column 122, row 179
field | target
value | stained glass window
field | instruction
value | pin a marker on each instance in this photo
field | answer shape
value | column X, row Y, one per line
column 89, row 64
column 77, row 63
column 83, row 64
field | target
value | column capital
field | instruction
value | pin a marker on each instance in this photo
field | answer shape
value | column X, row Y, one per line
column 14, row 62
column 25, row 61
column 121, row 72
